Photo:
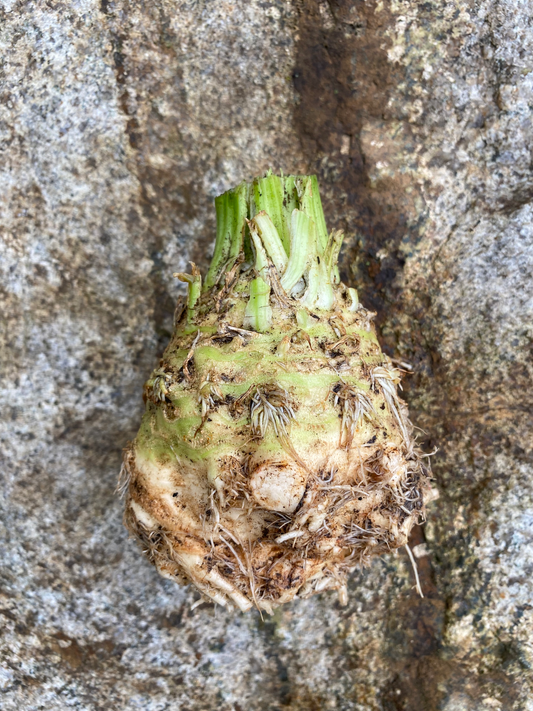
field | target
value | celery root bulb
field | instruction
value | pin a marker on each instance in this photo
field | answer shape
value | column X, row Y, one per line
column 275, row 454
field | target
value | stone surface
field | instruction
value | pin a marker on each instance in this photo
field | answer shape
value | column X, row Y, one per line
column 119, row 122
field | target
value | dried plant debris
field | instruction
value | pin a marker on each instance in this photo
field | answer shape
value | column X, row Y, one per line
column 274, row 455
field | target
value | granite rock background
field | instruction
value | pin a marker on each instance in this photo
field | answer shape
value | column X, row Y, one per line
column 119, row 122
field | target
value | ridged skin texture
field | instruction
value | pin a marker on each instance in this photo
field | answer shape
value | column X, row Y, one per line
column 269, row 465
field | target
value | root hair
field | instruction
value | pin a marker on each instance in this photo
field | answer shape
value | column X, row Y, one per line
column 355, row 407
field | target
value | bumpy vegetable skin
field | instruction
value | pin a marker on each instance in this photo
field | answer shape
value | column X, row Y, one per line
column 275, row 454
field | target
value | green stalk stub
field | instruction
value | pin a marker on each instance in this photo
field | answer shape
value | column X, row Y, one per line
column 302, row 233
column 270, row 238
column 258, row 314
column 275, row 454
column 311, row 204
column 194, row 290
column 269, row 194
column 232, row 208
column 278, row 221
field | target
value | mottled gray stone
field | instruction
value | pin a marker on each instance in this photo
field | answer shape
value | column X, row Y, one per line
column 119, row 123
